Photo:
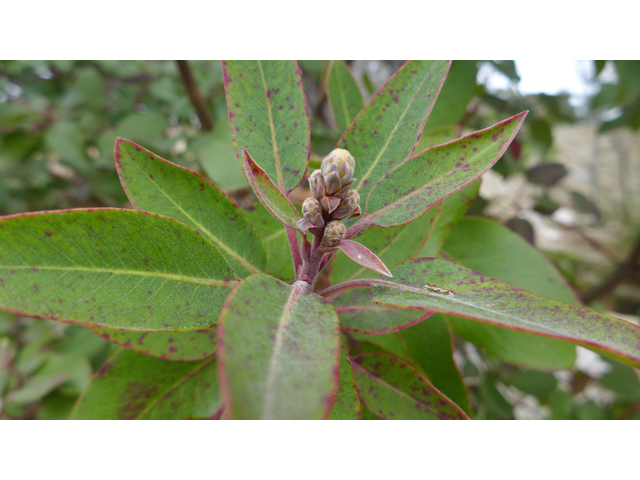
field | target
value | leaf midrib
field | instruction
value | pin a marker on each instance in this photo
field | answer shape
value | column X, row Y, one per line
column 139, row 273
column 270, row 394
column 386, row 145
column 274, row 141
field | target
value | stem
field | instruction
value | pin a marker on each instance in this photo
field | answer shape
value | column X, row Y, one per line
column 295, row 250
column 350, row 285
column 627, row 271
column 194, row 95
column 357, row 227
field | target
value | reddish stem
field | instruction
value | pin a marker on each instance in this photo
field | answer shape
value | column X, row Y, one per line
column 295, row 249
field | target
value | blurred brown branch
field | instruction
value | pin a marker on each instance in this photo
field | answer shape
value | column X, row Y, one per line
column 194, row 95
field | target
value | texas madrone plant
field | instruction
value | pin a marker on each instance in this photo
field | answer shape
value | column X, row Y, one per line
column 269, row 312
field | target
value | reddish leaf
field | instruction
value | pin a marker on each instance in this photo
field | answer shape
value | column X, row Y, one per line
column 365, row 257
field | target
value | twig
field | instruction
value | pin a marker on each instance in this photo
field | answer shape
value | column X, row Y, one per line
column 627, row 271
column 194, row 95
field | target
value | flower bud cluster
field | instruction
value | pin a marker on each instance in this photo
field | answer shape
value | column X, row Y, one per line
column 331, row 199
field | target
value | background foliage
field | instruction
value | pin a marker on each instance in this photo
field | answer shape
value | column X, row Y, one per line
column 59, row 121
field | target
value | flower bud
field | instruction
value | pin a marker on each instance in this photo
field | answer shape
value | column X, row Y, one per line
column 334, row 233
column 347, row 205
column 337, row 170
column 316, row 183
column 312, row 211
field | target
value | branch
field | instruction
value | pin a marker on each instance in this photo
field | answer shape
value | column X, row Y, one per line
column 194, row 95
column 627, row 271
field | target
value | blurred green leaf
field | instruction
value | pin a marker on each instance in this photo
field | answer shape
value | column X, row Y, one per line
column 628, row 81
column 455, row 95
column 535, row 383
column 91, row 86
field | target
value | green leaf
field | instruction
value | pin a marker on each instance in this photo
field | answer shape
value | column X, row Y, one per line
column 455, row 95
column 75, row 365
column 268, row 115
column 132, row 386
column 142, row 126
column 454, row 207
column 540, row 384
column 185, row 346
column 344, row 95
column 628, row 85
column 156, row 185
column 35, row 388
column 416, row 185
column 623, row 381
column 385, row 133
column 449, row 288
column 111, row 268
column 278, row 347
column 269, row 195
column 430, row 344
column 65, row 139
column 274, row 238
column 347, row 405
column 217, row 156
column 359, row 314
column 393, row 390
column 473, row 244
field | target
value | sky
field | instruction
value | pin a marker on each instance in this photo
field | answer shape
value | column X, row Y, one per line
column 550, row 76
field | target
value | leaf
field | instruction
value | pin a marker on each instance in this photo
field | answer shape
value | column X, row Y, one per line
column 454, row 207
column 217, row 155
column 430, row 344
column 35, row 388
column 111, row 268
column 133, row 386
column 268, row 116
column 628, row 86
column 473, row 244
column 278, row 347
column 455, row 95
column 181, row 346
column 358, row 313
column 155, row 185
column 393, row 390
column 274, row 238
column 347, row 405
column 363, row 256
column 449, row 288
column 547, row 174
column 268, row 194
column 541, row 133
column 416, row 185
column 74, row 365
column 385, row 133
column 523, row 228
column 344, row 95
